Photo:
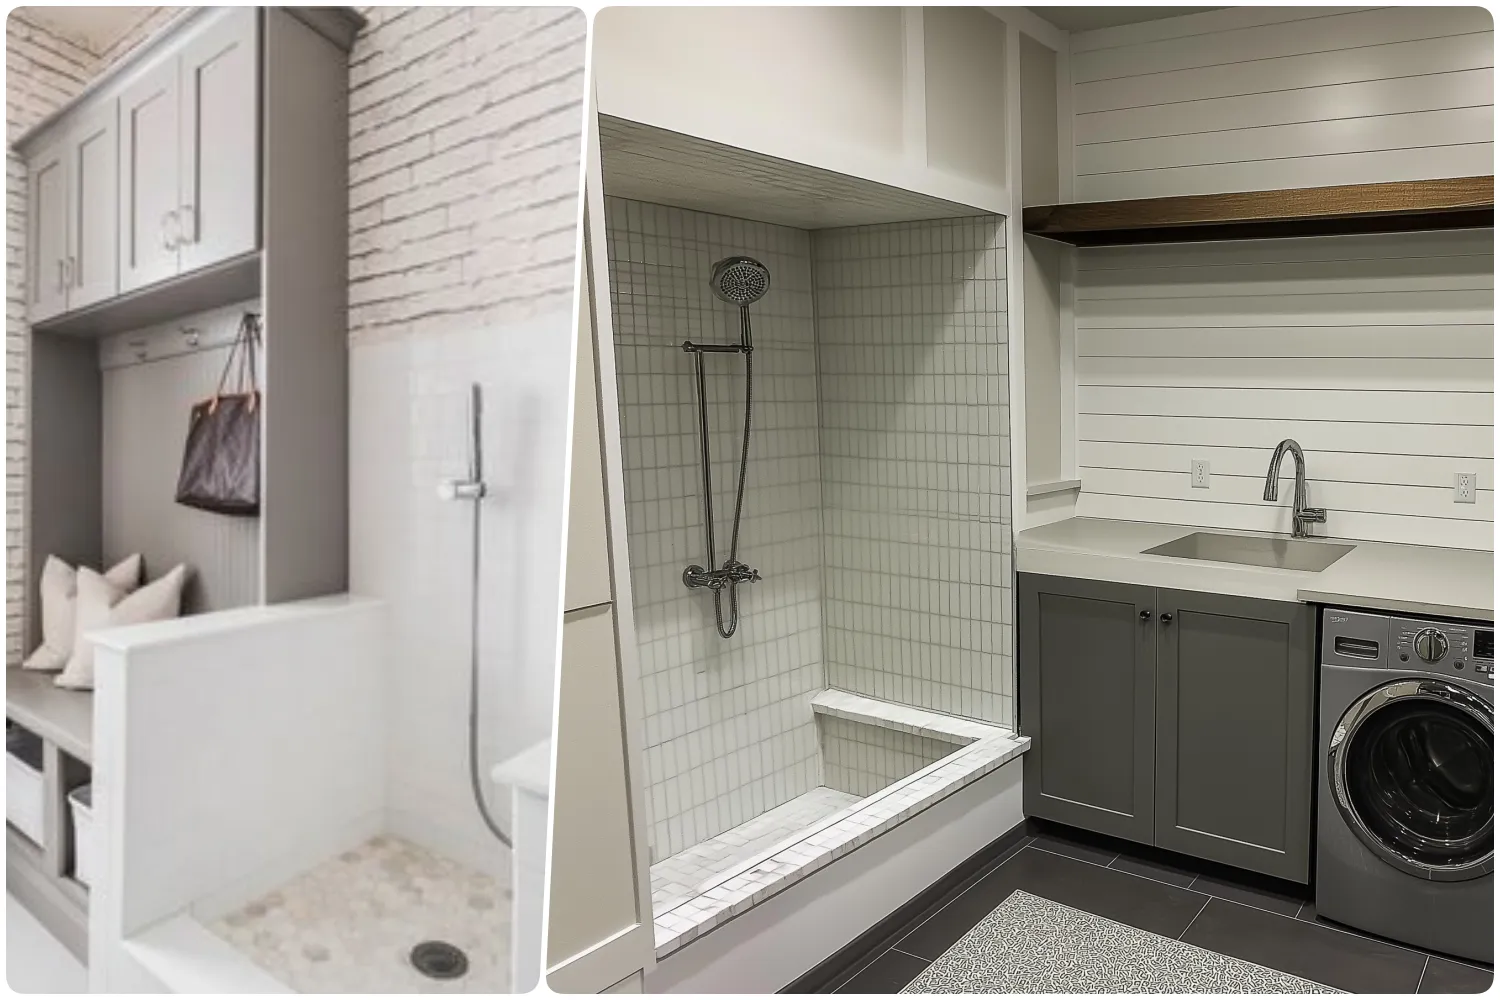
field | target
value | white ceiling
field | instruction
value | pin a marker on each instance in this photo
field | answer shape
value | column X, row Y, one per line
column 668, row 168
column 1089, row 18
column 96, row 28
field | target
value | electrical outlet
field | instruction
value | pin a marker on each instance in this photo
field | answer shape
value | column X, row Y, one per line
column 1464, row 486
column 1199, row 469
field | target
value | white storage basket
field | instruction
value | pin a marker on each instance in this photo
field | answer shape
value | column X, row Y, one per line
column 24, row 797
column 85, row 844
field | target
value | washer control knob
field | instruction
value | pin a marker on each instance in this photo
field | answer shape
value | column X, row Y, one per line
column 1431, row 645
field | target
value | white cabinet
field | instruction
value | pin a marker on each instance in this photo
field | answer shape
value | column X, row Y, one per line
column 149, row 157
column 217, row 217
column 47, row 243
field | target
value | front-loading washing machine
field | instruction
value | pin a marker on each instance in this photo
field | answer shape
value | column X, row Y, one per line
column 1406, row 805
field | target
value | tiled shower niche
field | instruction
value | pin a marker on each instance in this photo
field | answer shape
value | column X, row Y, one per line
column 876, row 505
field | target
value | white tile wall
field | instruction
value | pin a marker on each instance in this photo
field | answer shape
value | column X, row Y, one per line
column 465, row 140
column 43, row 71
column 861, row 759
column 1251, row 98
column 728, row 730
column 915, row 459
column 1376, row 353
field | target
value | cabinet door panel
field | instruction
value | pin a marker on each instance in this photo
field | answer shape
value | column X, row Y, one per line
column 220, row 125
column 149, row 158
column 47, row 232
column 94, row 197
column 1234, row 733
column 1087, row 701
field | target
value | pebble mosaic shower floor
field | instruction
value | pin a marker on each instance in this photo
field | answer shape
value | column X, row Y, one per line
column 349, row 925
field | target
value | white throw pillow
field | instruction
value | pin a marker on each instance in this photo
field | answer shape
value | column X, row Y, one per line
column 59, row 595
column 103, row 605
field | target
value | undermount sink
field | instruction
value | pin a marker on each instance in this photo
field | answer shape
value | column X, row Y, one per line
column 1253, row 550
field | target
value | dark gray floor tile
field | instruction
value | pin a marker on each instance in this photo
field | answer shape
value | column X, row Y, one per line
column 1151, row 906
column 1443, row 976
column 1157, row 870
column 1303, row 948
column 887, row 974
column 1070, row 848
column 1261, row 897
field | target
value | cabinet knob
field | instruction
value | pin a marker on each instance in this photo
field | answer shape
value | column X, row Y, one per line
column 1166, row 618
column 170, row 239
column 1145, row 616
column 187, row 229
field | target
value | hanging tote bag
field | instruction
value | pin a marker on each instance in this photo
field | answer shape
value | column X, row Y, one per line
column 221, row 459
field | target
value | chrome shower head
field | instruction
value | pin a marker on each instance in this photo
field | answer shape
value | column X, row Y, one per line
column 741, row 280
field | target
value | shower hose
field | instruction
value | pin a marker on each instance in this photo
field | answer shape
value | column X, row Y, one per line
column 732, row 565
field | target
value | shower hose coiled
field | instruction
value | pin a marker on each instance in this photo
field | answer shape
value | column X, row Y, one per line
column 732, row 565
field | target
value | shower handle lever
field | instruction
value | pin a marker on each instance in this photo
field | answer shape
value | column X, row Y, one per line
column 462, row 489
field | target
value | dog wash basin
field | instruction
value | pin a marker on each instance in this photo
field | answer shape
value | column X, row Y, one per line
column 1307, row 555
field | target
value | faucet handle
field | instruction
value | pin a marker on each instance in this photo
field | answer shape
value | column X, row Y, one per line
column 1312, row 515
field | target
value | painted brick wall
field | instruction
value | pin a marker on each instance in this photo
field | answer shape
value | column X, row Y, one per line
column 43, row 71
column 464, row 152
column 466, row 138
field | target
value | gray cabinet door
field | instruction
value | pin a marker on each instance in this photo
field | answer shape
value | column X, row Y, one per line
column 1087, row 671
column 93, row 207
column 150, row 154
column 220, row 165
column 1234, row 731
column 47, row 232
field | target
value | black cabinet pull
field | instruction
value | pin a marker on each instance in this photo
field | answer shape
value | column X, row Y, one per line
column 1145, row 616
column 1166, row 618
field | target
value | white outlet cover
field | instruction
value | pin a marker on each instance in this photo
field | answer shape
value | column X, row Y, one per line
column 1198, row 470
column 1465, row 485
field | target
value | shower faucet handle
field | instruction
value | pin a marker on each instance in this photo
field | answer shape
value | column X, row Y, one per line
column 461, row 489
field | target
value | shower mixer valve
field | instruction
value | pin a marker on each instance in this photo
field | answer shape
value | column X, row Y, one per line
column 717, row 579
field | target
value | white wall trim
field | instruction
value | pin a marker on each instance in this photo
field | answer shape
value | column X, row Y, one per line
column 1015, row 279
column 615, row 958
column 914, row 87
column 1034, row 25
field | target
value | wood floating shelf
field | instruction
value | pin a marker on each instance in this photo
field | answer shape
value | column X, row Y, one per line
column 1399, row 206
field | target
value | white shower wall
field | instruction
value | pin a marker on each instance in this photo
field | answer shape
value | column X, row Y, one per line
column 876, row 507
column 916, row 464
column 729, row 730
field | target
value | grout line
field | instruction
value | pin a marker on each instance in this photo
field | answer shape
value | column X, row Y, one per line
column 1424, row 974
column 1190, row 923
column 1340, row 930
column 910, row 955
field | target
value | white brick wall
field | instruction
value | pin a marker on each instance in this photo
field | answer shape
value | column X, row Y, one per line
column 464, row 150
column 43, row 71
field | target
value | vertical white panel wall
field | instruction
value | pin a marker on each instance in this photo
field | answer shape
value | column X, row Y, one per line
column 847, row 89
column 1375, row 352
column 1257, row 98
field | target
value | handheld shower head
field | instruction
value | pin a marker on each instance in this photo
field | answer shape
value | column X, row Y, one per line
column 741, row 280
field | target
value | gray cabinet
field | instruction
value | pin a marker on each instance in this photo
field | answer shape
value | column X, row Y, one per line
column 47, row 231
column 149, row 162
column 1088, row 663
column 1234, row 737
column 1217, row 764
column 93, row 196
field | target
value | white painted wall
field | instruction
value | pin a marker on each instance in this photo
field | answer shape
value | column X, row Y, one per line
column 842, row 88
column 1253, row 98
column 465, row 138
column 1375, row 352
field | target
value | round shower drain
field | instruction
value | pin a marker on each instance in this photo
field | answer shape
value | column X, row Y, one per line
column 439, row 960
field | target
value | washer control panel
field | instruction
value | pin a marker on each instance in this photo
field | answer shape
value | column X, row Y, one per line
column 1442, row 647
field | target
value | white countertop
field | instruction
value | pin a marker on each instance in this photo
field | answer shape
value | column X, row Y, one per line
column 1383, row 576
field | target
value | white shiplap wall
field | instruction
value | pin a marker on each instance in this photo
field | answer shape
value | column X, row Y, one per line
column 1375, row 352
column 1254, row 98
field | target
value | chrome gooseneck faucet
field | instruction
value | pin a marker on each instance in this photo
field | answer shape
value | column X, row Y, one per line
column 1302, row 514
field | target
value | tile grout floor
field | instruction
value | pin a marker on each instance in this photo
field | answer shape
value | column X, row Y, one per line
column 1252, row 923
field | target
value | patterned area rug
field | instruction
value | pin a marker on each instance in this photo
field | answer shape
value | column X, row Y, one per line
column 1032, row 945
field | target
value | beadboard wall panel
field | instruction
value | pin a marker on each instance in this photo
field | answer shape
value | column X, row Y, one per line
column 1374, row 352
column 1245, row 99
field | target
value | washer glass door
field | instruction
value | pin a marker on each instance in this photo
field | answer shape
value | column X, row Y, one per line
column 1413, row 774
